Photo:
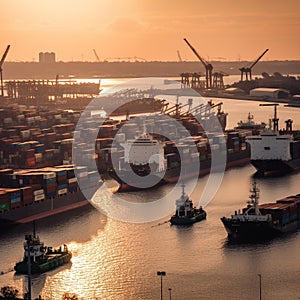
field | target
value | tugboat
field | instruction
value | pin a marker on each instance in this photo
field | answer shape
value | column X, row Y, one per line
column 186, row 213
column 42, row 258
column 265, row 221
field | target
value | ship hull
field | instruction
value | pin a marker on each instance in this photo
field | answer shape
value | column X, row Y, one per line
column 245, row 231
column 255, row 230
column 187, row 170
column 233, row 160
column 130, row 185
column 43, row 209
column 50, row 264
column 175, row 220
column 276, row 166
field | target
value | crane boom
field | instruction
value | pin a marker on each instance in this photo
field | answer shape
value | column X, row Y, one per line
column 204, row 62
column 179, row 56
column 96, row 55
column 208, row 67
column 1, row 71
column 248, row 70
column 4, row 56
column 258, row 59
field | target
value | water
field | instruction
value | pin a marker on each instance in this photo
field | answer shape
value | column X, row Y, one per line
column 115, row 260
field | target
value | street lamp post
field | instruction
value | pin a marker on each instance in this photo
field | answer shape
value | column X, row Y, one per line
column 170, row 293
column 161, row 274
column 259, row 275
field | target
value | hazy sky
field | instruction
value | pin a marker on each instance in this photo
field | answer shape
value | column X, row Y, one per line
column 151, row 29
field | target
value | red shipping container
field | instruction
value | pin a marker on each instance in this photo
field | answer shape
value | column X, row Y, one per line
column 27, row 195
column 30, row 162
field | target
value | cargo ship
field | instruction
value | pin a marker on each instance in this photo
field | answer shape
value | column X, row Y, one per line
column 41, row 258
column 263, row 221
column 186, row 213
column 37, row 178
column 190, row 157
column 32, row 194
column 143, row 162
column 186, row 152
column 275, row 151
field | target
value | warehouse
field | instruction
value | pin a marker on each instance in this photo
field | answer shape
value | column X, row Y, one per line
column 274, row 93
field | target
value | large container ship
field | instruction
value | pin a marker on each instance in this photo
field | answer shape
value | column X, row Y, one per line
column 190, row 165
column 263, row 221
column 36, row 178
column 188, row 156
column 276, row 151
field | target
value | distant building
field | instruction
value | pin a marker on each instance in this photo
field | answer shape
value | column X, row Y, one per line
column 235, row 91
column 275, row 93
column 46, row 57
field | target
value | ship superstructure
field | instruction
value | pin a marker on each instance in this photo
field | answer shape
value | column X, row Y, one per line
column 274, row 150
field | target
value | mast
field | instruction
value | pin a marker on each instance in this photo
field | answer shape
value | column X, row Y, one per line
column 28, row 240
column 254, row 197
column 183, row 193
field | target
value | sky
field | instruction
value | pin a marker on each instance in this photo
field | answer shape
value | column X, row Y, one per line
column 228, row 30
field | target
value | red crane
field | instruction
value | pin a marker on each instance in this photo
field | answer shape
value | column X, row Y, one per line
column 208, row 66
column 248, row 70
column 1, row 63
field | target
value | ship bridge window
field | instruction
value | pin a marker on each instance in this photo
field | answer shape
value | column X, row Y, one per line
column 267, row 148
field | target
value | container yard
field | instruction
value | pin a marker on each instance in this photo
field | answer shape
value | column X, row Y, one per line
column 36, row 150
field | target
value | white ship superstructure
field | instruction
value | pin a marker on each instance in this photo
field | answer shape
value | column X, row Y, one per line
column 143, row 151
column 270, row 145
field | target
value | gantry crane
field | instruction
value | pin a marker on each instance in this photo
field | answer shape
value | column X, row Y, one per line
column 1, row 63
column 218, row 82
column 248, row 70
column 208, row 66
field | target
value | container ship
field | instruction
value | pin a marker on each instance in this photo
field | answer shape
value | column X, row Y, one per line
column 32, row 194
column 263, row 221
column 36, row 175
column 190, row 155
column 275, row 151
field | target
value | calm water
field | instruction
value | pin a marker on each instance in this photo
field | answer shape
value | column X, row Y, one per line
column 115, row 260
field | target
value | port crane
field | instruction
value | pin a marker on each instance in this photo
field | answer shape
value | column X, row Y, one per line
column 218, row 82
column 248, row 70
column 1, row 70
column 208, row 66
column 96, row 55
column 179, row 56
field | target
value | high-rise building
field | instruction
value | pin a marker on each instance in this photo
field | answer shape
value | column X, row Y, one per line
column 47, row 57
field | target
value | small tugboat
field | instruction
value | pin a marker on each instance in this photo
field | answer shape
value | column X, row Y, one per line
column 186, row 213
column 265, row 221
column 42, row 258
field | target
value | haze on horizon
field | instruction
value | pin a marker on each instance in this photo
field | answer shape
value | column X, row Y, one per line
column 151, row 29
